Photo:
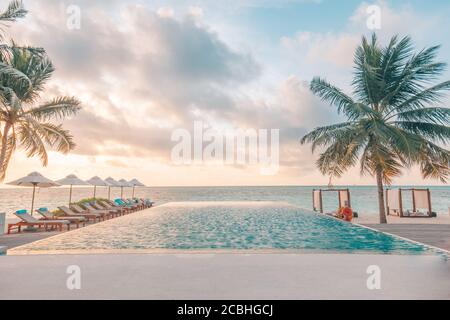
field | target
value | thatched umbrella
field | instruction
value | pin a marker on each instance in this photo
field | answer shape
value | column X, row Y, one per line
column 136, row 183
column 34, row 180
column 72, row 180
column 112, row 183
column 97, row 182
column 123, row 184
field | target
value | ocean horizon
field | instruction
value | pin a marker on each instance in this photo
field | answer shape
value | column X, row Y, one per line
column 364, row 199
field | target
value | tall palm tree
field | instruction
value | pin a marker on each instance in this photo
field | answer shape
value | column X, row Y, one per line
column 24, row 122
column 394, row 120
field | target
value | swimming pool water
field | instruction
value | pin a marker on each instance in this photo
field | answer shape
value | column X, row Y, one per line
column 225, row 225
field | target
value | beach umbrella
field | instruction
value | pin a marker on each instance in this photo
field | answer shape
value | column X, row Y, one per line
column 123, row 184
column 136, row 183
column 34, row 179
column 72, row 180
column 97, row 182
column 112, row 183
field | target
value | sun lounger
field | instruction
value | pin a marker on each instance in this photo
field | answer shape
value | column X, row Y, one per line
column 108, row 205
column 67, row 211
column 141, row 203
column 122, row 203
column 114, row 211
column 29, row 221
column 149, row 203
column 137, row 203
column 47, row 215
column 107, row 213
column 125, row 203
column 78, row 209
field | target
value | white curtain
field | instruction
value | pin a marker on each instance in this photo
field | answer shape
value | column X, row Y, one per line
column 316, row 202
column 393, row 199
column 343, row 196
column 421, row 199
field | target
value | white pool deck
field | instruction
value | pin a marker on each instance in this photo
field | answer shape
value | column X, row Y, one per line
column 212, row 275
column 224, row 276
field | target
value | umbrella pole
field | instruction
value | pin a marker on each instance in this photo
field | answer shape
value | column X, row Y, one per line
column 70, row 195
column 32, row 200
column 109, row 193
column 29, row 228
column 133, row 192
column 95, row 191
column 121, row 192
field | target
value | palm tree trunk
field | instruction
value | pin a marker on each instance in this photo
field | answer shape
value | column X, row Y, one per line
column 3, row 150
column 382, row 209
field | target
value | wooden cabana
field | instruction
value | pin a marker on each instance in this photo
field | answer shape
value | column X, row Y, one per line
column 343, row 196
column 421, row 200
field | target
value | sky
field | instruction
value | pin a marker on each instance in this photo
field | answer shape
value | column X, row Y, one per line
column 144, row 69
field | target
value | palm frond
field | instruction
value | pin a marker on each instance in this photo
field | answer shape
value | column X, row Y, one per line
column 338, row 98
column 60, row 107
column 377, row 156
column 433, row 115
column 429, row 131
column 367, row 82
column 10, row 147
column 14, row 11
column 58, row 138
column 323, row 136
column 434, row 162
column 419, row 71
column 13, row 78
column 422, row 99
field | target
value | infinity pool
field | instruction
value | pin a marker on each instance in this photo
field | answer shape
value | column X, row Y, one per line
column 200, row 226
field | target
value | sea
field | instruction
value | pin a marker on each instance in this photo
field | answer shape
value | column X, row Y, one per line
column 363, row 198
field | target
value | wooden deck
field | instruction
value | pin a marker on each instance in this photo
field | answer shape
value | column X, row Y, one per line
column 437, row 235
column 19, row 239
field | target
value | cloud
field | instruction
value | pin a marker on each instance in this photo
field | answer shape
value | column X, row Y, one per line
column 142, row 70
column 138, row 74
column 165, row 12
column 328, row 47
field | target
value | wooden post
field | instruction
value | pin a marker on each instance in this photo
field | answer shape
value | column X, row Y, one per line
column 387, row 202
column 321, row 203
column 400, row 202
column 32, row 201
column 70, row 195
column 348, row 197
column 413, row 200
column 339, row 198
column 429, row 203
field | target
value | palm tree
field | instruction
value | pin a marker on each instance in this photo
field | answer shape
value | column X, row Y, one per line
column 14, row 11
column 24, row 122
column 393, row 121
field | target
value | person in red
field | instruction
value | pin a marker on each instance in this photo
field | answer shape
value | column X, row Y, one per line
column 347, row 212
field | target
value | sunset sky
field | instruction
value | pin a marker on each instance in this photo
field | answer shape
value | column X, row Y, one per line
column 145, row 68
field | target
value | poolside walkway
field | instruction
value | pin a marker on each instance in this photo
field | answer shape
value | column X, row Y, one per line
column 18, row 239
column 437, row 235
column 224, row 276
